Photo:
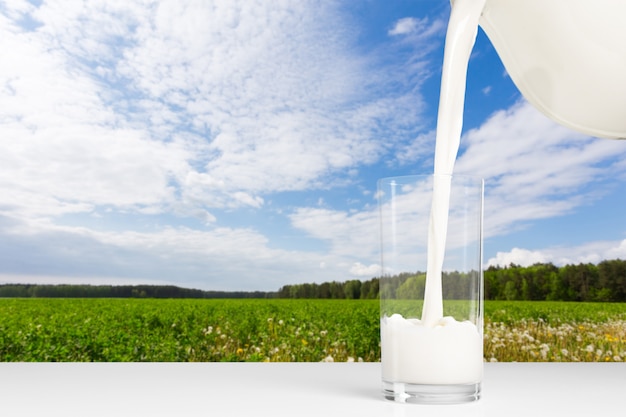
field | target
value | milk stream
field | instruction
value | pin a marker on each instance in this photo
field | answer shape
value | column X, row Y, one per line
column 438, row 349
column 460, row 38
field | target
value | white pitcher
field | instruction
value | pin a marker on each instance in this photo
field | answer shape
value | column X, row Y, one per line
column 567, row 57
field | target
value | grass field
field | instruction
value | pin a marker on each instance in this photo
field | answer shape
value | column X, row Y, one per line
column 530, row 331
column 284, row 330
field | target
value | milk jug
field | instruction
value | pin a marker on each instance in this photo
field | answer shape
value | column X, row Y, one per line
column 567, row 57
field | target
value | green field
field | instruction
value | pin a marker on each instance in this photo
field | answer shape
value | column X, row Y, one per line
column 284, row 330
column 530, row 331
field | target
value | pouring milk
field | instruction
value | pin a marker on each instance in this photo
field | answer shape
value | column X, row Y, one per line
column 572, row 67
column 438, row 349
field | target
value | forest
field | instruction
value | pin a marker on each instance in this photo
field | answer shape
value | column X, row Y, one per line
column 118, row 291
column 604, row 282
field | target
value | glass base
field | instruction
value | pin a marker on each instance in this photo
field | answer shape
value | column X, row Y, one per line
column 431, row 394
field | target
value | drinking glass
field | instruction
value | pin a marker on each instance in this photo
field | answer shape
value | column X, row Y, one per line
column 431, row 288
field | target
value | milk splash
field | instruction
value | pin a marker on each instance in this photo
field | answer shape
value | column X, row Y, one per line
column 438, row 349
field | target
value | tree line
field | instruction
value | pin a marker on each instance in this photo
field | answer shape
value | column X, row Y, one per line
column 351, row 290
column 120, row 291
column 604, row 282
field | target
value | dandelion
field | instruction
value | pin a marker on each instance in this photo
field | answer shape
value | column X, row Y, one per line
column 328, row 359
column 590, row 348
column 544, row 350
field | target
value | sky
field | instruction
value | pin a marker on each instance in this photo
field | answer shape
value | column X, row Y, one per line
column 236, row 145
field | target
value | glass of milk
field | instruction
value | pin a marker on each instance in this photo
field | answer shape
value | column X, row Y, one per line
column 431, row 288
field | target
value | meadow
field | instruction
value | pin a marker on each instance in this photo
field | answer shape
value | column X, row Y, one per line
column 40, row 329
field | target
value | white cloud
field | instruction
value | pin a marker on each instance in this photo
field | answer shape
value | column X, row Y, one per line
column 349, row 234
column 360, row 270
column 415, row 28
column 136, row 104
column 62, row 150
column 352, row 238
column 404, row 26
column 591, row 252
column 54, row 280
column 517, row 256
column 220, row 258
column 419, row 152
column 535, row 169
column 274, row 84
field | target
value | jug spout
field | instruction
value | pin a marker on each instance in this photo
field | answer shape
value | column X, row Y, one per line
column 567, row 58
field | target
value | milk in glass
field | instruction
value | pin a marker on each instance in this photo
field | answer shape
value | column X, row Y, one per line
column 438, row 349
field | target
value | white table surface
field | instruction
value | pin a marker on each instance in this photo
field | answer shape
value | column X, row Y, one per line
column 296, row 389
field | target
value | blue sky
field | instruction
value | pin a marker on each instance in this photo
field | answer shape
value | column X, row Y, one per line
column 236, row 145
